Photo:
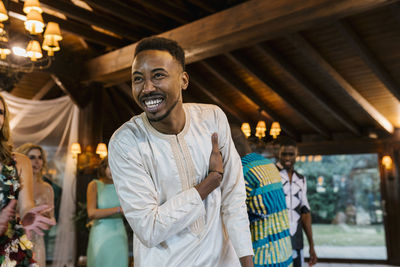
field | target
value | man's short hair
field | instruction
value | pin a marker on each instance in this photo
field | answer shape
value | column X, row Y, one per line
column 287, row 141
column 163, row 44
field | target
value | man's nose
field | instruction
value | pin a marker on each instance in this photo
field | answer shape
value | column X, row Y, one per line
column 148, row 86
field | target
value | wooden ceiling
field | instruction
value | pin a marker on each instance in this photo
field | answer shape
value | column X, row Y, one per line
column 324, row 69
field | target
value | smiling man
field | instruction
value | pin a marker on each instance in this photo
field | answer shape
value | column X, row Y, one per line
column 176, row 170
column 295, row 189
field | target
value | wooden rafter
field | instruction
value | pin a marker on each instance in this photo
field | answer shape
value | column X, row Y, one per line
column 310, row 88
column 242, row 25
column 91, row 18
column 368, row 57
column 203, row 5
column 313, row 56
column 178, row 14
column 126, row 14
column 249, row 94
column 75, row 28
column 44, row 90
column 263, row 78
column 201, row 86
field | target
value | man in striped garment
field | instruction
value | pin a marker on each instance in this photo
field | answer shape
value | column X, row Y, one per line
column 266, row 206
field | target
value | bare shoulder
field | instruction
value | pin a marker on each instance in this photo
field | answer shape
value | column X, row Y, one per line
column 92, row 185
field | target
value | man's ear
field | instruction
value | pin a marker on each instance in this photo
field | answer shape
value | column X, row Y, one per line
column 185, row 80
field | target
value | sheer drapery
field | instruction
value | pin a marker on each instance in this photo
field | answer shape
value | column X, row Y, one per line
column 54, row 125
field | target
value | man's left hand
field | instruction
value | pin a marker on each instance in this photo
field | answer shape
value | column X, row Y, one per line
column 313, row 257
column 247, row 261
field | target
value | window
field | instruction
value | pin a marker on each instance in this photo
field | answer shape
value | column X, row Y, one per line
column 345, row 199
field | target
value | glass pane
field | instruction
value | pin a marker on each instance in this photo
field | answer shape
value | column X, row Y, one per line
column 345, row 199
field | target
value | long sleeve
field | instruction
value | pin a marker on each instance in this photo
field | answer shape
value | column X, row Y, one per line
column 151, row 221
column 234, row 210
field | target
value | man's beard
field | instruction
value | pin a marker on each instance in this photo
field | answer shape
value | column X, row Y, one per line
column 166, row 113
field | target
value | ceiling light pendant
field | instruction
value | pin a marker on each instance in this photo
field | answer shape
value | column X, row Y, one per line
column 51, row 46
column 32, row 5
column 33, row 50
column 4, row 50
column 246, row 129
column 3, row 12
column 275, row 129
column 261, row 128
column 53, row 31
column 34, row 22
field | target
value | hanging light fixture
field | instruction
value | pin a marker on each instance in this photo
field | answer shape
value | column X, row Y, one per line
column 35, row 25
column 246, row 129
column 52, row 36
column 30, row 5
column 33, row 50
column 3, row 12
column 261, row 128
column 4, row 50
column 34, row 22
column 275, row 129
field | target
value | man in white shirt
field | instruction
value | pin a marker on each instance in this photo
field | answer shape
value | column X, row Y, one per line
column 295, row 189
column 177, row 172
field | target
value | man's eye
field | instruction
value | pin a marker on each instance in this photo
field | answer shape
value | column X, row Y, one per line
column 159, row 75
column 137, row 79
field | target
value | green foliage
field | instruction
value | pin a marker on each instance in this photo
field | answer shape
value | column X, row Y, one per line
column 348, row 180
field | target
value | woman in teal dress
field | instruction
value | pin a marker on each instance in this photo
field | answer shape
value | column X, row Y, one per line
column 108, row 241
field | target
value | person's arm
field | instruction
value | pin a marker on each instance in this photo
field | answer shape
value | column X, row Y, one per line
column 151, row 221
column 92, row 210
column 32, row 218
column 25, row 197
column 306, row 222
column 6, row 214
column 233, row 195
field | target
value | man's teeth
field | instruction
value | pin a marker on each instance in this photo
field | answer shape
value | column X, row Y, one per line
column 152, row 102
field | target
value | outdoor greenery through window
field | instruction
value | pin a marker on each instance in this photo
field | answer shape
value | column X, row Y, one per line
column 345, row 199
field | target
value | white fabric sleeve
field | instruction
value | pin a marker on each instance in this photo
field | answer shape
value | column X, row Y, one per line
column 151, row 222
column 234, row 209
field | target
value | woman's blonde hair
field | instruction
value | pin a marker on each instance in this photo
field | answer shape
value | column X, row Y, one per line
column 5, row 140
column 27, row 147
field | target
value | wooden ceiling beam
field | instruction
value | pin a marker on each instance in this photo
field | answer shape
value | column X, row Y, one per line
column 91, row 18
column 368, row 57
column 198, row 83
column 127, row 14
column 178, row 14
column 242, row 25
column 203, row 5
column 291, row 71
column 44, row 90
column 268, row 82
column 313, row 56
column 249, row 94
column 75, row 28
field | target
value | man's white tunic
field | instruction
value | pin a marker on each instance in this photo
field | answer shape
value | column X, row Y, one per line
column 155, row 175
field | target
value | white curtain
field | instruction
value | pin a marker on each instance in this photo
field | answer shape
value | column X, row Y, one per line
column 54, row 125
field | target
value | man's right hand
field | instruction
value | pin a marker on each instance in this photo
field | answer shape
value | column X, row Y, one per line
column 215, row 172
column 215, row 163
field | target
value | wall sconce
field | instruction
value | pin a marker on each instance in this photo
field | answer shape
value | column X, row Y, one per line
column 387, row 162
column 76, row 149
column 101, row 150
column 261, row 129
column 246, row 129
column 275, row 129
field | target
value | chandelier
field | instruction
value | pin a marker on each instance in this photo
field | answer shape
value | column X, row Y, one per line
column 29, row 56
